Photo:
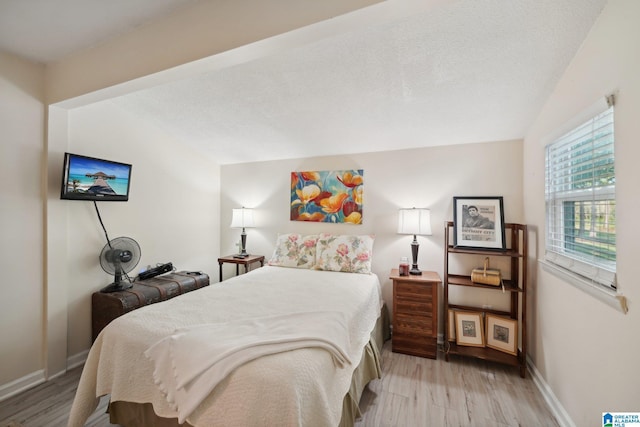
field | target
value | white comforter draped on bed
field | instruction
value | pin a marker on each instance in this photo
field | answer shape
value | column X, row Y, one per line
column 191, row 363
column 296, row 388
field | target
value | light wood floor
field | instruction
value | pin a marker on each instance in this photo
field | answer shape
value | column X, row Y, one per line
column 413, row 392
column 417, row 392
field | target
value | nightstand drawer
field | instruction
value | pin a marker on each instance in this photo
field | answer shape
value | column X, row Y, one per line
column 409, row 324
column 416, row 307
column 415, row 346
column 417, row 290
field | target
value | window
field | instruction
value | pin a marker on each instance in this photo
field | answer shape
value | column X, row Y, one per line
column 581, row 203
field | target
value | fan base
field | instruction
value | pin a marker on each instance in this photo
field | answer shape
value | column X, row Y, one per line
column 116, row 286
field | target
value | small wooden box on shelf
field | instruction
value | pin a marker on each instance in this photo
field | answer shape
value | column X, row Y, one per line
column 415, row 314
column 515, row 284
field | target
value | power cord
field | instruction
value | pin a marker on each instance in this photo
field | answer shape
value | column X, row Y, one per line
column 107, row 237
column 102, row 224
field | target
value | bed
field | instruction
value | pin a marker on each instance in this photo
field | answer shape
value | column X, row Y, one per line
column 300, row 387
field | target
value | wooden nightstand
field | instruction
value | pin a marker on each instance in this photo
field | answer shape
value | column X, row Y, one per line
column 240, row 261
column 415, row 314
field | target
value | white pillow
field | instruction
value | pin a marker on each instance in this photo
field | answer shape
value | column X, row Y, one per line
column 346, row 253
column 294, row 250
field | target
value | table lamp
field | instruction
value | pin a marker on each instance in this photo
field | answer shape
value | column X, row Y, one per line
column 242, row 218
column 416, row 221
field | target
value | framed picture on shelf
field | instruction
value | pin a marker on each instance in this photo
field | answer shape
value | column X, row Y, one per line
column 469, row 330
column 478, row 223
column 502, row 334
column 451, row 325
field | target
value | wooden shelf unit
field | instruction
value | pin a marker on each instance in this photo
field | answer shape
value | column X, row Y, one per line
column 515, row 283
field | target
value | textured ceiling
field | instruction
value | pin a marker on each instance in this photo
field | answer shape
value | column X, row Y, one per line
column 469, row 71
column 462, row 72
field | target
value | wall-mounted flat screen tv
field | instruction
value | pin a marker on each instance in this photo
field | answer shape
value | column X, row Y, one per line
column 89, row 178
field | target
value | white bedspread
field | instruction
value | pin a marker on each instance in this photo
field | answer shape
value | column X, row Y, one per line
column 190, row 363
column 303, row 387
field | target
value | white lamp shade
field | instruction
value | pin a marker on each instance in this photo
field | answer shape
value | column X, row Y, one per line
column 414, row 221
column 242, row 218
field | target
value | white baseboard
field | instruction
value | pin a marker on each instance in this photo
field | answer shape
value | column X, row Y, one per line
column 21, row 384
column 36, row 378
column 77, row 359
column 556, row 407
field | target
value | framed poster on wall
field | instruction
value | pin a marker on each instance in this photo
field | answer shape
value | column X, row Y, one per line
column 478, row 223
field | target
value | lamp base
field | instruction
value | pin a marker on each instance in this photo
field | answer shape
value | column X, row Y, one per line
column 415, row 271
column 243, row 246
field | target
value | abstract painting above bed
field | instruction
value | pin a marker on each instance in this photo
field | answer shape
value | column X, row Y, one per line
column 327, row 196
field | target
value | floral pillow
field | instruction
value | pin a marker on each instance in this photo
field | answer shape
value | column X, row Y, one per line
column 346, row 253
column 294, row 250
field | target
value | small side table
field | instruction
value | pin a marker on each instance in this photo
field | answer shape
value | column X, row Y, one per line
column 415, row 314
column 229, row 259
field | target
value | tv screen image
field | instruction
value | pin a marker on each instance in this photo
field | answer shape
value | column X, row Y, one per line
column 89, row 178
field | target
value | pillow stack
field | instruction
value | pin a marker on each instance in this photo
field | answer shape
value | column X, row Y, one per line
column 345, row 253
column 294, row 250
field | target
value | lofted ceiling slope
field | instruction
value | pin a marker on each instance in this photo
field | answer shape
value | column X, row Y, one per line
column 465, row 71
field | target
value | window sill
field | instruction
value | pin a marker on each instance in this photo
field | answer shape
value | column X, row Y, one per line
column 609, row 297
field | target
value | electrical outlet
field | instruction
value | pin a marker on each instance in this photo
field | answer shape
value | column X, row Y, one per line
column 487, row 306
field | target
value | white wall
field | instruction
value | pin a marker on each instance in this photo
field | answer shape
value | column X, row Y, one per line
column 51, row 247
column 172, row 210
column 585, row 350
column 427, row 177
column 21, row 220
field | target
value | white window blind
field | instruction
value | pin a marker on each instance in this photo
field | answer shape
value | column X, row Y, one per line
column 580, row 201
